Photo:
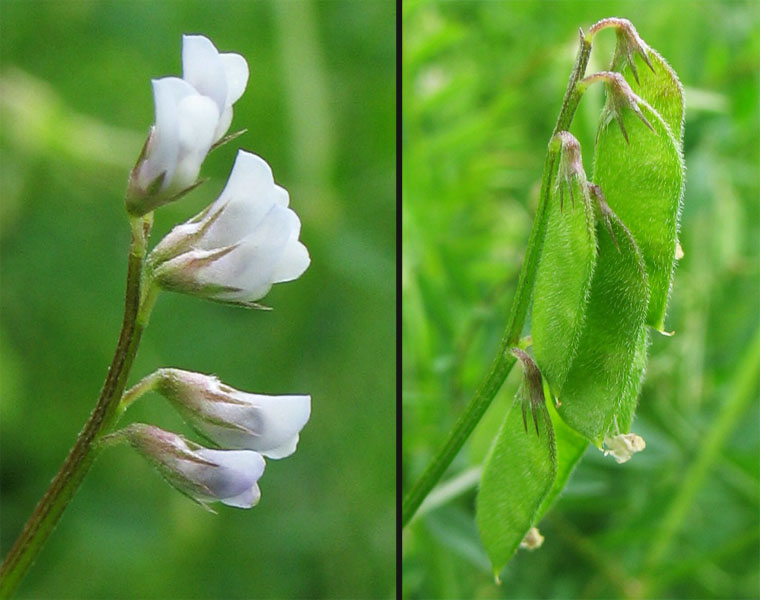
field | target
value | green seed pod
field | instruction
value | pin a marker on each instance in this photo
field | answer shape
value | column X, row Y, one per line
column 563, row 279
column 651, row 78
column 643, row 176
column 570, row 449
column 518, row 472
column 605, row 375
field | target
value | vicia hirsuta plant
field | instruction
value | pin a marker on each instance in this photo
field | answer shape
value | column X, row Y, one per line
column 595, row 280
column 232, row 252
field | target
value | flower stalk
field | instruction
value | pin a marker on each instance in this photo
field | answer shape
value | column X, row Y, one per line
column 504, row 360
column 68, row 479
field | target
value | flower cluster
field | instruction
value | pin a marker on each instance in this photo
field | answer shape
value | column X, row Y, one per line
column 247, row 426
column 233, row 252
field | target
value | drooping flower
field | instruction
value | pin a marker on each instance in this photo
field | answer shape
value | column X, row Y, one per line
column 236, row 249
column 623, row 446
column 533, row 539
column 234, row 419
column 205, row 475
column 191, row 115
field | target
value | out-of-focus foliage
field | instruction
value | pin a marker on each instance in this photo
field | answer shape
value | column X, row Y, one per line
column 76, row 104
column 482, row 86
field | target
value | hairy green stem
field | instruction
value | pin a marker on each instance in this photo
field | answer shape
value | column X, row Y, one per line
column 142, row 387
column 65, row 484
column 505, row 360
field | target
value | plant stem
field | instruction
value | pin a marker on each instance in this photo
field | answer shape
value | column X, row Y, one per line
column 504, row 360
column 142, row 387
column 65, row 484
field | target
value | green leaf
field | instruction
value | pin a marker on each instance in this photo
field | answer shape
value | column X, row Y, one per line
column 643, row 180
column 518, row 474
column 605, row 374
column 563, row 282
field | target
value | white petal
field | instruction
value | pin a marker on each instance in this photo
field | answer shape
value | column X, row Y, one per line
column 281, row 196
column 247, row 499
column 247, row 198
column 237, row 471
column 283, row 450
column 293, row 262
column 203, row 69
column 236, row 71
column 185, row 123
column 250, row 266
column 197, row 117
column 164, row 147
column 277, row 420
column 224, row 124
column 270, row 424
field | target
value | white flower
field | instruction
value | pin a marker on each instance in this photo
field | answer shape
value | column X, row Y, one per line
column 191, row 115
column 205, row 475
column 241, row 245
column 179, row 141
column 533, row 539
column 235, row 419
column 623, row 446
column 221, row 77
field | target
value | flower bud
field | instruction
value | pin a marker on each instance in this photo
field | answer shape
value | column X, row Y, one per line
column 234, row 419
column 204, row 475
column 241, row 245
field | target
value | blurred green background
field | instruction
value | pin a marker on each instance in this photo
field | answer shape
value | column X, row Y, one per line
column 76, row 104
column 482, row 87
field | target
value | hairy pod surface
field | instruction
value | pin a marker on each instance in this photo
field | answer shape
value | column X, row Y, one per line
column 563, row 282
column 570, row 449
column 661, row 88
column 604, row 375
column 643, row 179
column 518, row 473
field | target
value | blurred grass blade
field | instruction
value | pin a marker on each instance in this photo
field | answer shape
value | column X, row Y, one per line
column 742, row 392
